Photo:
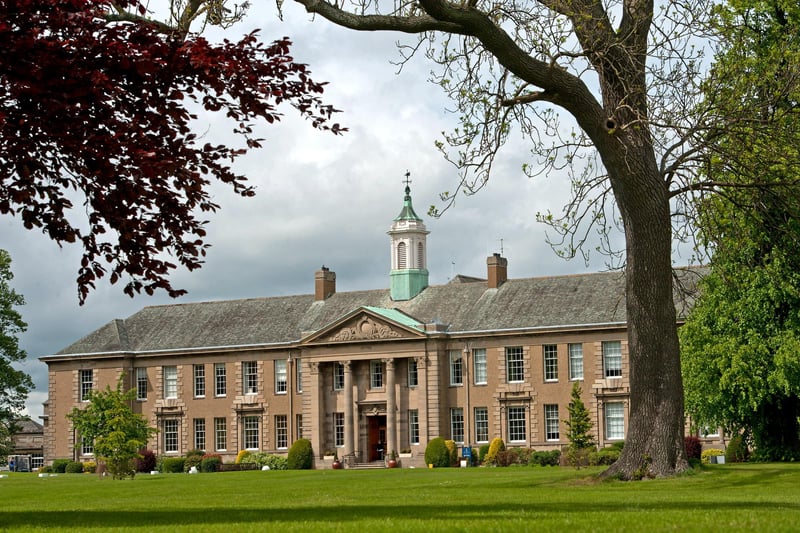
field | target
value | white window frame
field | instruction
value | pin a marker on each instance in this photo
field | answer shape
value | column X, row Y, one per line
column 481, row 424
column 457, row 424
column 551, row 422
column 170, row 375
column 199, row 372
column 170, row 428
column 298, row 426
column 550, row 358
column 479, row 366
column 199, row 433
column 141, row 384
column 376, row 374
column 298, row 374
column 614, row 418
column 220, row 380
column 251, row 438
column 575, row 361
column 87, row 447
column 338, row 430
column 413, row 373
column 220, row 434
column 281, row 432
column 612, row 359
column 281, row 377
column 515, row 364
column 338, row 376
column 413, row 426
column 456, row 368
column 250, row 377
column 86, row 379
column 517, row 424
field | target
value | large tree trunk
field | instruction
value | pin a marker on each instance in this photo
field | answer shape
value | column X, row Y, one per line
column 654, row 444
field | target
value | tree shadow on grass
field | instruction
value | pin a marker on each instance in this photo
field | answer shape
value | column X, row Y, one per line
column 344, row 514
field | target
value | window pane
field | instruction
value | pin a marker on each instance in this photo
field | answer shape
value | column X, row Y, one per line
column 170, row 435
column 281, row 431
column 413, row 377
column 551, row 422
column 550, row 362
column 251, row 440
column 86, row 382
column 516, row 424
column 456, row 368
column 376, row 374
column 479, row 361
column 338, row 429
column 199, row 383
column 141, row 384
column 250, row 374
column 413, row 426
column 612, row 359
column 514, row 365
column 615, row 420
column 298, row 364
column 457, row 424
column 220, row 434
column 200, row 434
column 576, row 361
column 220, row 380
column 481, row 424
column 338, row 376
column 280, row 376
column 170, row 381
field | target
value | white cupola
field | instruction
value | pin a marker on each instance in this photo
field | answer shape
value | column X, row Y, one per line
column 409, row 275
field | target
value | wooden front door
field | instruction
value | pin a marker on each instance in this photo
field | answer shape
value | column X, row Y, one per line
column 376, row 443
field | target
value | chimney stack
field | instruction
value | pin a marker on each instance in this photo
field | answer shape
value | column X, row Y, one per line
column 498, row 270
column 324, row 284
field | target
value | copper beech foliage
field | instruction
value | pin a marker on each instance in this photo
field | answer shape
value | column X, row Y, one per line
column 100, row 113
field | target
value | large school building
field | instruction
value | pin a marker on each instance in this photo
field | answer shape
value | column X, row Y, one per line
column 362, row 373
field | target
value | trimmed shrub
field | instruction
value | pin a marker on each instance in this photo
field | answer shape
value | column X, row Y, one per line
column 301, row 456
column 737, row 451
column 505, row 458
column 453, row 449
column 578, row 457
column 73, row 467
column 497, row 445
column 706, row 456
column 147, row 461
column 90, row 467
column 60, row 465
column 482, row 451
column 261, row 459
column 210, row 462
column 47, row 469
column 694, row 448
column 545, row 458
column 604, row 456
column 172, row 465
column 437, row 454
column 192, row 461
column 241, row 455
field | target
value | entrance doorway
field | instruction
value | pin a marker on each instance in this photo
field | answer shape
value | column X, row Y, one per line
column 376, row 437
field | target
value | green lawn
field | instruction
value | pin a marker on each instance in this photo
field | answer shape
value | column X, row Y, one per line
column 751, row 497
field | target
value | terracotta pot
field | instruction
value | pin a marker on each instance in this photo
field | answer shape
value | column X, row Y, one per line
column 337, row 465
column 392, row 463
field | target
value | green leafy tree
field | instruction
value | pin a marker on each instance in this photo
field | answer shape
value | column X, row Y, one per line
column 579, row 423
column 14, row 384
column 116, row 431
column 741, row 343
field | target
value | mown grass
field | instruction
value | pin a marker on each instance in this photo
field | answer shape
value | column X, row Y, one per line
column 750, row 497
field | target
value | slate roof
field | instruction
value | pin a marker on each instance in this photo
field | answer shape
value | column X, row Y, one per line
column 542, row 302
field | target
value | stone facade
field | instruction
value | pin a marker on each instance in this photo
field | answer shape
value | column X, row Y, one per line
column 362, row 373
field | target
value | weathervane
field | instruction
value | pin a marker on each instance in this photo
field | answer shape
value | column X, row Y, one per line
column 407, row 181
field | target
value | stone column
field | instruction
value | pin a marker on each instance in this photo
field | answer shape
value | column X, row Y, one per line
column 350, row 436
column 391, row 409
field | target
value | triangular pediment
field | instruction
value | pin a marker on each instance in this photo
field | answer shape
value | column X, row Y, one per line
column 368, row 324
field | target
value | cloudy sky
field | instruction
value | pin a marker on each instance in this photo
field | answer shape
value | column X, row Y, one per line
column 321, row 200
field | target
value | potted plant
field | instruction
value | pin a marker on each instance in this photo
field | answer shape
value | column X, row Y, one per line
column 337, row 465
column 392, row 462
